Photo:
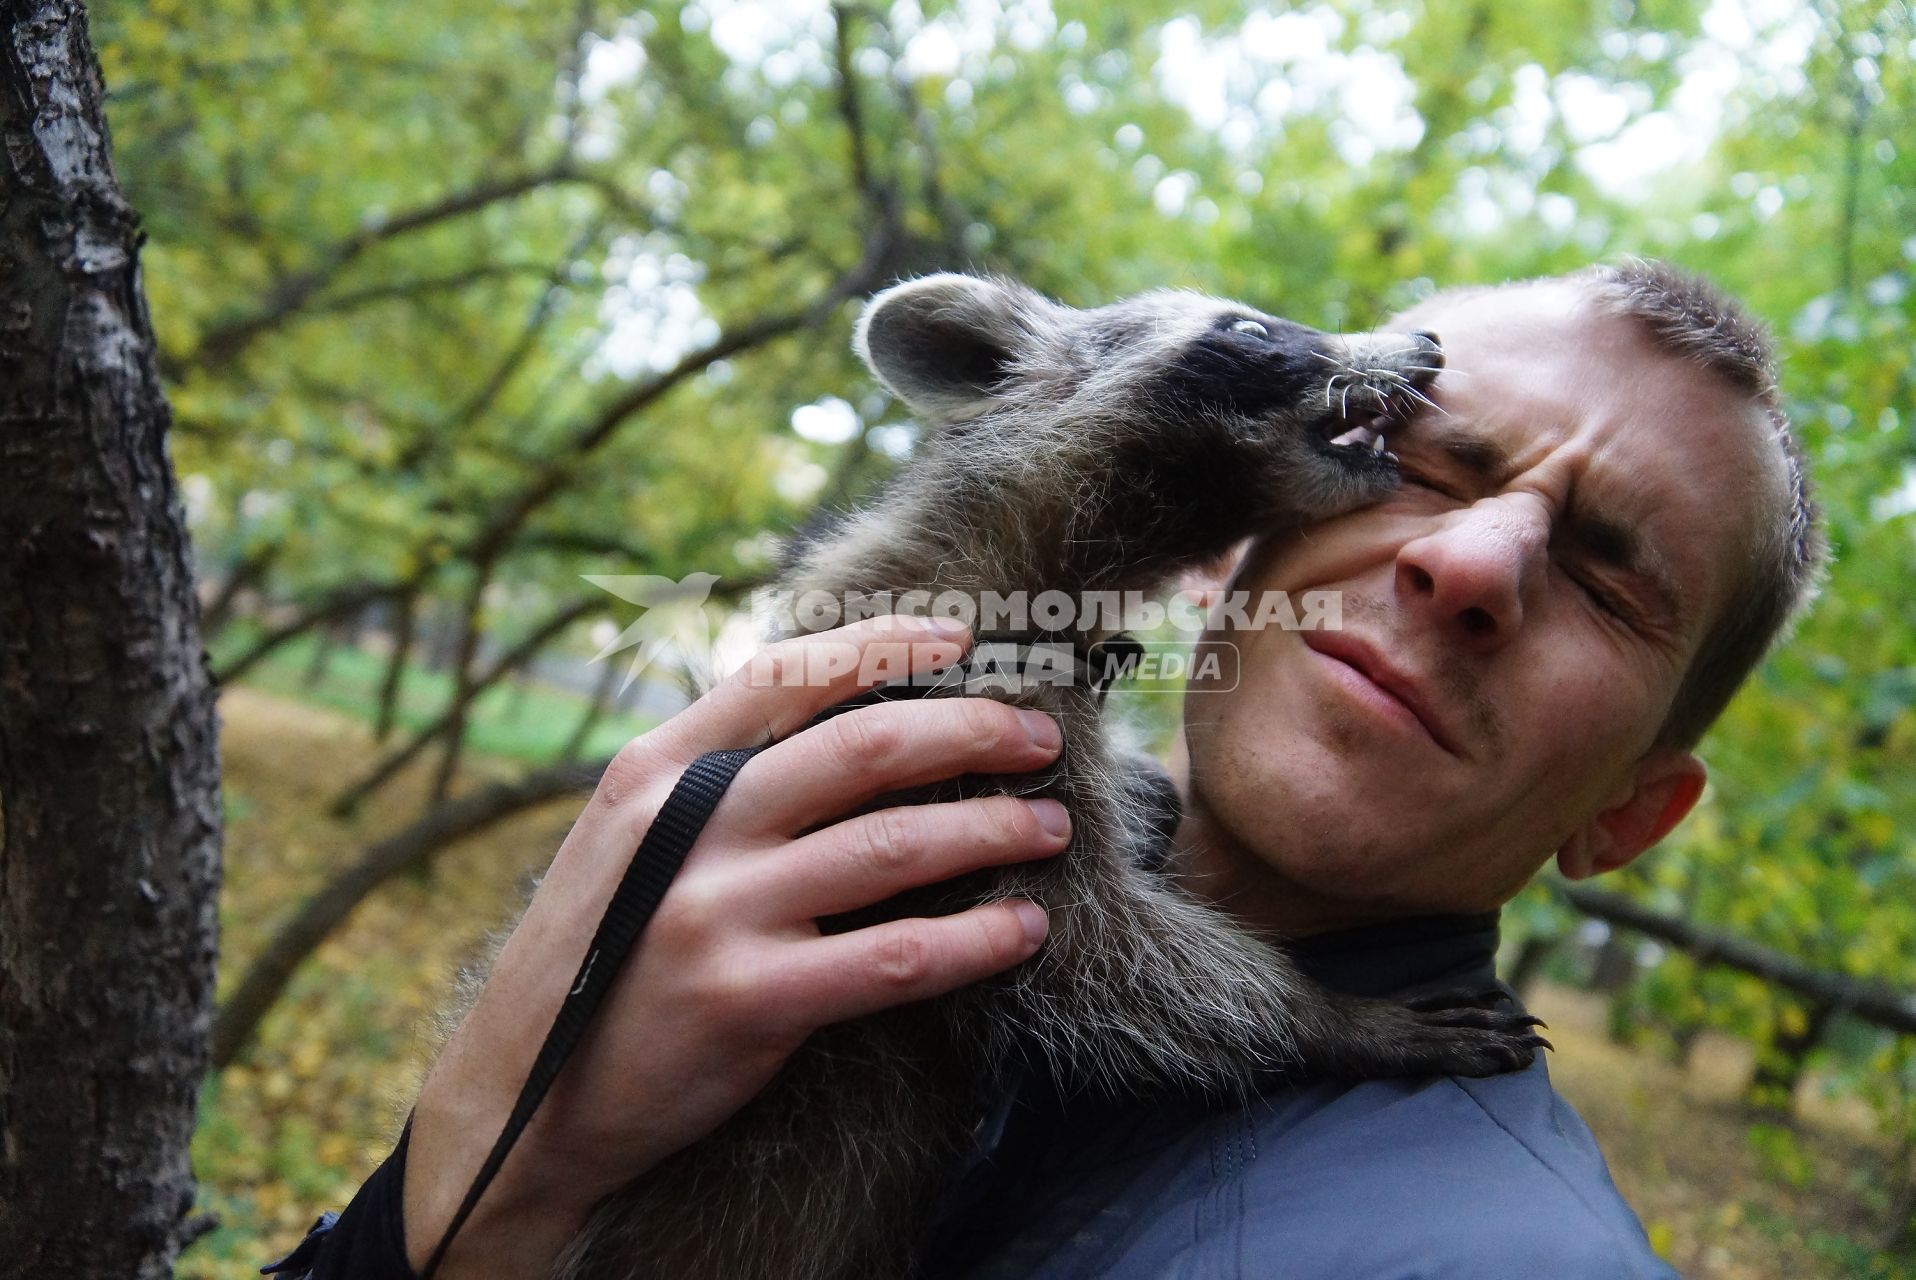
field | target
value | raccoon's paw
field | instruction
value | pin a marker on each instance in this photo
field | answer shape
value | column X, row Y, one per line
column 1469, row 1033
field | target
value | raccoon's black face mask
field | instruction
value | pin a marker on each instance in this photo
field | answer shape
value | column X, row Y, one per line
column 1246, row 364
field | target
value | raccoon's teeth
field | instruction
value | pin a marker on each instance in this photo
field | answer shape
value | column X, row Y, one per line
column 1377, row 443
column 1359, row 437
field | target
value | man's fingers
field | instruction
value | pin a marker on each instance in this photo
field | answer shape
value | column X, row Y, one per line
column 848, row 975
column 833, row 767
column 867, row 859
column 787, row 683
column 783, row 686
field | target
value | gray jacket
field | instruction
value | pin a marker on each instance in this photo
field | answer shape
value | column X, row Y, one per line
column 1385, row 1180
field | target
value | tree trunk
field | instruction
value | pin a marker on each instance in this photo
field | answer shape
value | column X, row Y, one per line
column 462, row 690
column 405, row 612
column 1780, row 1064
column 109, row 762
column 452, row 720
column 244, row 576
column 1616, row 963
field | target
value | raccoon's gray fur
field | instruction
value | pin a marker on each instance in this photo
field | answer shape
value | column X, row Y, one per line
column 1069, row 450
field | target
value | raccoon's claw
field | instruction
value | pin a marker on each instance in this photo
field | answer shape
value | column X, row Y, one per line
column 1471, row 1033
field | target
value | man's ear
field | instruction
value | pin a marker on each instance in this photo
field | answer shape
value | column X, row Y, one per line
column 943, row 344
column 1663, row 789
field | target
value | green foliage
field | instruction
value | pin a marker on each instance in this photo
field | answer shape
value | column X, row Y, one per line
column 1782, row 1158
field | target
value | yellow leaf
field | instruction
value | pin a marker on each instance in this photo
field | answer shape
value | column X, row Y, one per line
column 308, row 1059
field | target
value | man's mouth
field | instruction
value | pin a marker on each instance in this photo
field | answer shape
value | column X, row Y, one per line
column 1392, row 685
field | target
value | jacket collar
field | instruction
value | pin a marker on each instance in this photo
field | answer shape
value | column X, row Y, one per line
column 1403, row 955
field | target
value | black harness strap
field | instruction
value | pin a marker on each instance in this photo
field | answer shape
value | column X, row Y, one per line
column 660, row 854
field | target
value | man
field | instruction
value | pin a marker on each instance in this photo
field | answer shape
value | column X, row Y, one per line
column 1604, row 523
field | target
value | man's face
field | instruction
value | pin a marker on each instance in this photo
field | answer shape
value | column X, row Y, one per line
column 1516, row 620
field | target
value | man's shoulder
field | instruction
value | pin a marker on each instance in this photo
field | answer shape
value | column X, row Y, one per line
column 1434, row 1177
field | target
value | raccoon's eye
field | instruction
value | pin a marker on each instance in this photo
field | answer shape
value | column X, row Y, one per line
column 1251, row 327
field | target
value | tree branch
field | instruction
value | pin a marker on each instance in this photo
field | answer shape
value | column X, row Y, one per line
column 453, row 717
column 1870, row 1001
column 419, row 287
column 266, row 977
column 883, row 198
column 602, row 427
column 246, row 573
column 334, row 605
column 493, row 540
column 291, row 293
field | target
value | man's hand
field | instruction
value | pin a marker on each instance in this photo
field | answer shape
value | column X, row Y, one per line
column 732, row 974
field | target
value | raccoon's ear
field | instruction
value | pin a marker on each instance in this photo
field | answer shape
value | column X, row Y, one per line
column 944, row 344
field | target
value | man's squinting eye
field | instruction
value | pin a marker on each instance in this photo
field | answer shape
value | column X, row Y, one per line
column 1414, row 476
column 1585, row 581
column 1598, row 593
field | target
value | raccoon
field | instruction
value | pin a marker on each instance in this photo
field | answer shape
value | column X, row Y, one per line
column 1069, row 450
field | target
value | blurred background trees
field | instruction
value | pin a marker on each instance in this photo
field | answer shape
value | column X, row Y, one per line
column 459, row 301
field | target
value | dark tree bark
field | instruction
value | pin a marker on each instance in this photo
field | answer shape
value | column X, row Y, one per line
column 109, row 763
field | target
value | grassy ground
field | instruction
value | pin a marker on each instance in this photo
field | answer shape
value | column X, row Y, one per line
column 1716, row 1202
column 315, row 1106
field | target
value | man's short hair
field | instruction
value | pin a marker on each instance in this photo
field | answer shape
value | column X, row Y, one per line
column 1688, row 317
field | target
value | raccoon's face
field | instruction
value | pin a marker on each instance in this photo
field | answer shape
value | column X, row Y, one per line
column 1227, row 386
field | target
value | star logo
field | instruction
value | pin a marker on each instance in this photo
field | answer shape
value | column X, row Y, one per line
column 674, row 621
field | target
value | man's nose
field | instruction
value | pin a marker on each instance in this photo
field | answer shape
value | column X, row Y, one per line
column 1476, row 572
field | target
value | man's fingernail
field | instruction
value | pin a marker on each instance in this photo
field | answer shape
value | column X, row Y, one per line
column 1051, row 816
column 1031, row 919
column 1042, row 728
